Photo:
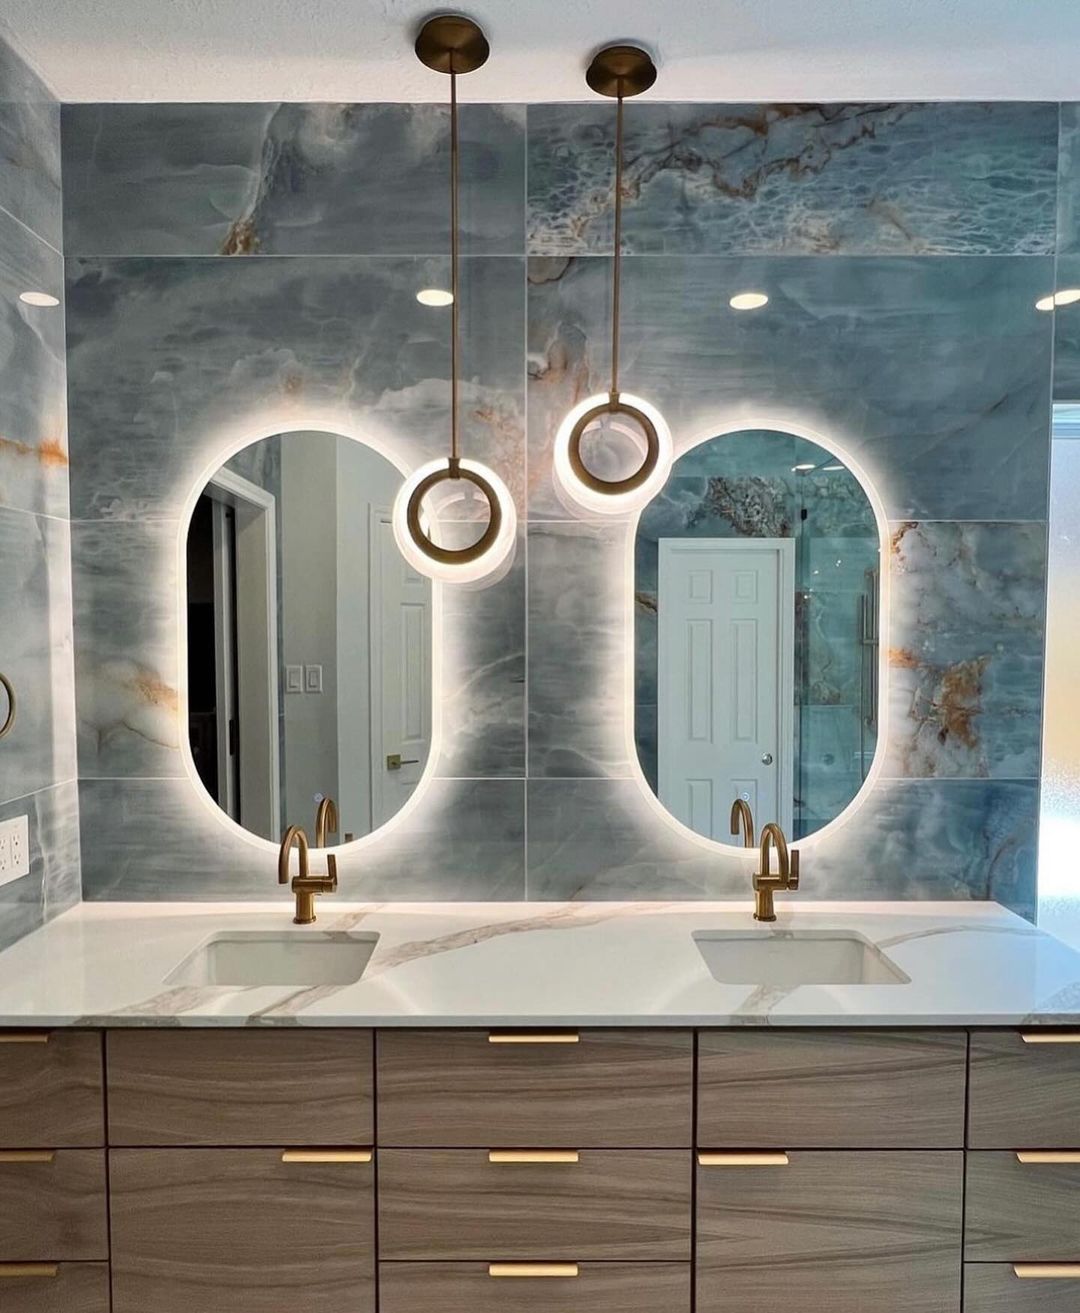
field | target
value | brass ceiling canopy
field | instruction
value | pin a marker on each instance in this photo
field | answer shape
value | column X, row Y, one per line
column 453, row 44
column 618, row 71
column 621, row 71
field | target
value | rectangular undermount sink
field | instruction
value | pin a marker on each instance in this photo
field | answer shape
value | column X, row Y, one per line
column 304, row 958
column 789, row 958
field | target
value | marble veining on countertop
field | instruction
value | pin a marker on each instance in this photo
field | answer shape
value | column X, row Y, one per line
column 580, row 964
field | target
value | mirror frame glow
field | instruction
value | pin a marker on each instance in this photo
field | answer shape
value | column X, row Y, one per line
column 224, row 452
column 729, row 427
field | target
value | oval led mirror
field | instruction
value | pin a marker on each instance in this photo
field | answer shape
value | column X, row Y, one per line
column 757, row 634
column 308, row 638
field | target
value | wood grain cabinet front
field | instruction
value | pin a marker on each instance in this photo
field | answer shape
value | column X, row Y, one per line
column 836, row 1231
column 594, row 1089
column 52, row 1205
column 1025, row 1288
column 1024, row 1090
column 54, row 1287
column 240, row 1231
column 236, row 1088
column 534, row 1288
column 51, row 1090
column 1022, row 1207
column 832, row 1089
column 595, row 1204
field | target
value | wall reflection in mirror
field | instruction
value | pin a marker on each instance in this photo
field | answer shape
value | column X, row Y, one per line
column 757, row 613
column 309, row 638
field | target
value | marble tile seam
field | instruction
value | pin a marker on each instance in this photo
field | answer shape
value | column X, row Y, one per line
column 34, row 793
column 7, row 214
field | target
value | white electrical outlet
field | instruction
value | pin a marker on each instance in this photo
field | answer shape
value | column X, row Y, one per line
column 14, row 849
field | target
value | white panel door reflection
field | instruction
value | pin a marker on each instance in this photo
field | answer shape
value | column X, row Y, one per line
column 725, row 679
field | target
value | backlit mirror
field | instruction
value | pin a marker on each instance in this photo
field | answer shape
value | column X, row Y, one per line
column 757, row 616
column 309, row 638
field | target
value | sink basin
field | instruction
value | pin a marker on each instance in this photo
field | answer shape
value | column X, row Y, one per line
column 298, row 957
column 789, row 958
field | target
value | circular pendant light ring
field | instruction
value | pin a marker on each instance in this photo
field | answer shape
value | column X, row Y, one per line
column 452, row 43
column 454, row 555
column 614, row 487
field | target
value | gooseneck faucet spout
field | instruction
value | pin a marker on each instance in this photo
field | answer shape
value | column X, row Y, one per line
column 742, row 816
column 304, row 885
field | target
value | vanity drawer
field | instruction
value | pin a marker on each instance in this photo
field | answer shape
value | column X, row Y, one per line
column 240, row 1231
column 54, row 1287
column 831, row 1090
column 1024, row 1090
column 996, row 1288
column 846, row 1231
column 240, row 1087
column 541, row 1288
column 1022, row 1211
column 593, row 1089
column 51, row 1093
column 607, row 1204
column 52, row 1205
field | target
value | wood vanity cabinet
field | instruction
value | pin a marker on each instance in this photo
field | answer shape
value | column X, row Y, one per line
column 465, row 1171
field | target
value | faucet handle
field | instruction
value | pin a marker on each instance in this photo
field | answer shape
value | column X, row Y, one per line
column 793, row 869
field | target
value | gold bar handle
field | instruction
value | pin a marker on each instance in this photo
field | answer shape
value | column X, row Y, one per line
column 326, row 1155
column 27, row 1155
column 24, row 1037
column 532, row 1269
column 1028, row 1156
column 743, row 1160
column 28, row 1270
column 533, row 1156
column 1050, row 1036
column 533, row 1037
column 1047, row 1271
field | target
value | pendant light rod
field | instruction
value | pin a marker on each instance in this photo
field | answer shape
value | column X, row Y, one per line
column 455, row 317
column 617, row 262
column 618, row 72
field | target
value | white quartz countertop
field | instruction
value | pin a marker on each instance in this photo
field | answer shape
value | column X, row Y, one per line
column 547, row 964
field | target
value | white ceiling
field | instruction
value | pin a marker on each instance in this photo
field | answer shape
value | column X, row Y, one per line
column 722, row 50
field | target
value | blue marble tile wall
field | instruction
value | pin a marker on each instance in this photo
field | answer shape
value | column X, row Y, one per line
column 37, row 758
column 230, row 264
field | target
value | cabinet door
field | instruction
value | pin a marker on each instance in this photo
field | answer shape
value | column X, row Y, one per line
column 830, row 1232
column 240, row 1231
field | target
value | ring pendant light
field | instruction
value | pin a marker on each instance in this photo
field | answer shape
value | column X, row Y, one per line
column 617, row 71
column 452, row 44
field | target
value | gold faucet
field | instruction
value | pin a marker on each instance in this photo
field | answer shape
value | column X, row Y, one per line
column 326, row 822
column 741, row 815
column 765, row 882
column 304, row 885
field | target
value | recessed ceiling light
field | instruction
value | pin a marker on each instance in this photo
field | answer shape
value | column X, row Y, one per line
column 435, row 296
column 802, row 468
column 1066, row 296
column 38, row 298
column 748, row 301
